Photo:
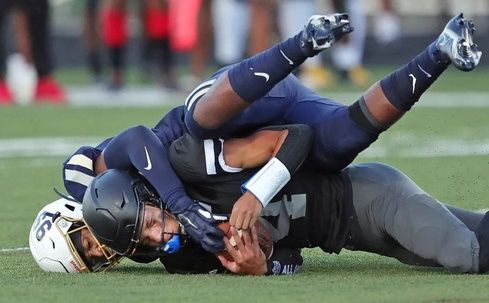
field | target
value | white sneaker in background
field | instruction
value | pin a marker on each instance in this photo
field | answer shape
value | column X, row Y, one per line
column 21, row 78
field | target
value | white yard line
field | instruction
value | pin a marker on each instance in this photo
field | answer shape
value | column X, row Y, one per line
column 7, row 250
column 43, row 147
column 148, row 96
column 409, row 146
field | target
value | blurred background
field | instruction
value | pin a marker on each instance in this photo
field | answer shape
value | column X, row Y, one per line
column 86, row 52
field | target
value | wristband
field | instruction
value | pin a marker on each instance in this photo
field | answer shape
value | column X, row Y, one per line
column 268, row 181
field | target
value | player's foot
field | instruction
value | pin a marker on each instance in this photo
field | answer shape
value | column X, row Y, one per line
column 49, row 91
column 5, row 94
column 482, row 234
column 456, row 44
column 321, row 31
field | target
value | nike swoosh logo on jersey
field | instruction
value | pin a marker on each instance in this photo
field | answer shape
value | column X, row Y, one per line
column 264, row 75
column 414, row 81
column 425, row 72
column 149, row 166
column 287, row 58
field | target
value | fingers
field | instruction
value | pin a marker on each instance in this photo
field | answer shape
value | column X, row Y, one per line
column 255, row 243
column 254, row 235
column 239, row 218
column 237, row 238
column 246, row 239
column 228, row 264
column 230, row 249
column 246, row 216
column 247, row 255
column 246, row 222
column 253, row 219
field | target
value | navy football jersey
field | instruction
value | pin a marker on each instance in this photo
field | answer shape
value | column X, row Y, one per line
column 313, row 209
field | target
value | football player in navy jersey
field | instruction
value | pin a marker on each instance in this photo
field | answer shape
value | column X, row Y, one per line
column 369, row 207
column 341, row 132
column 260, row 91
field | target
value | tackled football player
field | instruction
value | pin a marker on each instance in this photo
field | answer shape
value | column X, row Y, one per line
column 341, row 131
column 369, row 207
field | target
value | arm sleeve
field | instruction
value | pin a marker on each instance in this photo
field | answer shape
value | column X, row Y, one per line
column 139, row 148
column 284, row 261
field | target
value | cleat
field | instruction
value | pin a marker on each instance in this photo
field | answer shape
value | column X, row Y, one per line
column 49, row 91
column 6, row 96
column 456, row 45
column 482, row 234
column 321, row 31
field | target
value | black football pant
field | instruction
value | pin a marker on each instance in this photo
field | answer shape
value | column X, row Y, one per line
column 396, row 218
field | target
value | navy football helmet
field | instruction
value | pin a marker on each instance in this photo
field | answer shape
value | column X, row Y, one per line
column 113, row 207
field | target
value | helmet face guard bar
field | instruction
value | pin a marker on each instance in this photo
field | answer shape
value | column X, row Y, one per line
column 144, row 194
column 73, row 238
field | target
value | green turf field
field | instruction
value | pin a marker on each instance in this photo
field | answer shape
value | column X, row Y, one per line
column 445, row 150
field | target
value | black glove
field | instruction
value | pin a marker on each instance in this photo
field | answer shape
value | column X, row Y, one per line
column 200, row 225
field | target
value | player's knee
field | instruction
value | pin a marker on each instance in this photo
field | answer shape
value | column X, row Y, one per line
column 458, row 252
column 439, row 235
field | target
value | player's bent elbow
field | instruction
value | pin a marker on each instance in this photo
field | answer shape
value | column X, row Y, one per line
column 197, row 130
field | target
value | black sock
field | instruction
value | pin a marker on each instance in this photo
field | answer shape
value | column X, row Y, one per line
column 254, row 77
column 405, row 86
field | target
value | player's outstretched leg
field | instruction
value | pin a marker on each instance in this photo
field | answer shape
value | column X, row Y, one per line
column 254, row 77
column 455, row 44
column 386, row 101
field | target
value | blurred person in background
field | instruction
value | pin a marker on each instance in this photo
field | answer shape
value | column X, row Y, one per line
column 387, row 24
column 167, row 26
column 114, row 37
column 33, row 40
column 291, row 15
column 203, row 47
column 347, row 56
column 230, row 30
column 91, row 39
column 157, row 52
column 261, row 25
